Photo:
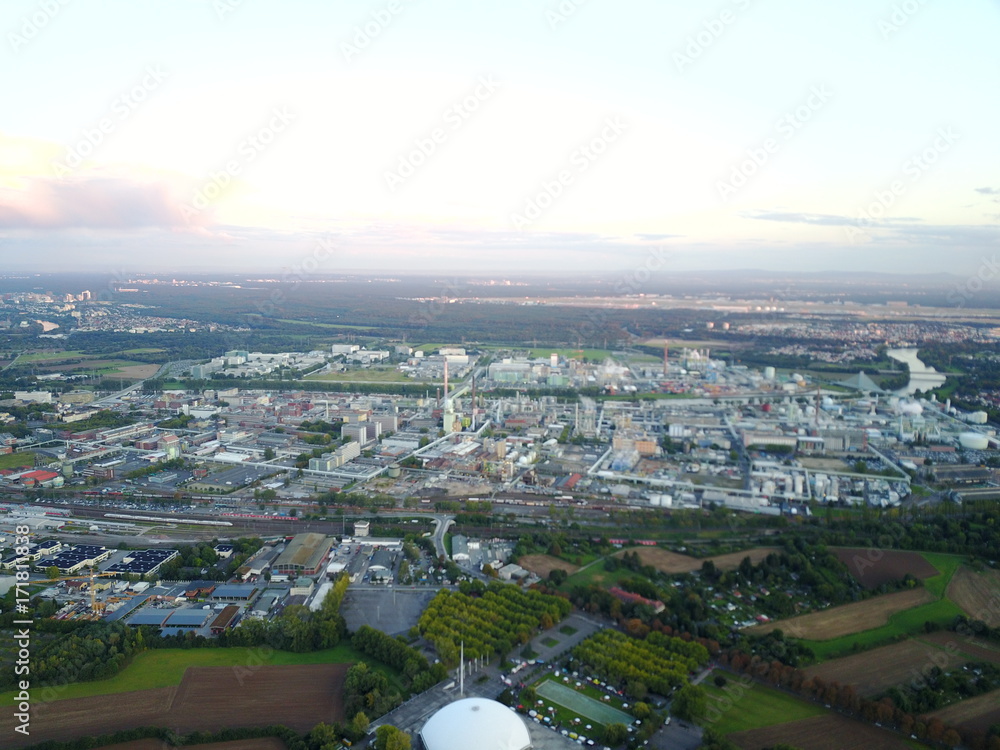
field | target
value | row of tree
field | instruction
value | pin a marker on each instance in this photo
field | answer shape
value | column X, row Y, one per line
column 413, row 665
column 659, row 663
column 489, row 624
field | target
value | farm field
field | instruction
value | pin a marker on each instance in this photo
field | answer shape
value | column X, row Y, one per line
column 138, row 372
column 940, row 611
column 978, row 594
column 542, row 565
column 663, row 560
column 167, row 667
column 974, row 648
column 52, row 355
column 290, row 695
column 827, row 732
column 891, row 566
column 907, row 622
column 896, row 665
column 977, row 714
column 732, row 560
column 848, row 618
column 735, row 708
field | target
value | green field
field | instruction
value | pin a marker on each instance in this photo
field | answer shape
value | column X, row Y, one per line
column 110, row 366
column 158, row 668
column 325, row 325
column 366, row 376
column 600, row 354
column 53, row 356
column 739, row 708
column 146, row 350
column 14, row 460
column 596, row 574
column 947, row 564
column 908, row 622
column 576, row 704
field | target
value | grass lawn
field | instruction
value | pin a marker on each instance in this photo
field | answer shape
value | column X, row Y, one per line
column 15, row 460
column 158, row 668
column 739, row 708
column 596, row 574
column 568, row 630
column 550, row 642
column 907, row 622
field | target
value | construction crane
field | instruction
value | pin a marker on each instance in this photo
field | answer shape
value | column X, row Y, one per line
column 89, row 577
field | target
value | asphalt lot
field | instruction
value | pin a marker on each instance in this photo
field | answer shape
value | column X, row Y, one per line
column 391, row 609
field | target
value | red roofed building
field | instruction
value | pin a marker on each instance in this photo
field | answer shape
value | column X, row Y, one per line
column 42, row 479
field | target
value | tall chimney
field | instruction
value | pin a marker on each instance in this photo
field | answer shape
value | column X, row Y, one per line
column 446, row 383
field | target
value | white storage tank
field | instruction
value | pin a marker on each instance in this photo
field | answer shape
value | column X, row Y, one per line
column 974, row 441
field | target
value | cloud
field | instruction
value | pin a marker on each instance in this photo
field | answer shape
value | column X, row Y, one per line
column 92, row 203
column 822, row 220
column 988, row 190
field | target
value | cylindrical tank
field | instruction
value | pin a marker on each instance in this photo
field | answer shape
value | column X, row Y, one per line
column 974, row 441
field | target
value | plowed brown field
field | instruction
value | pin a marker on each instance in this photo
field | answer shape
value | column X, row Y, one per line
column 978, row 594
column 208, row 698
column 976, row 648
column 898, row 664
column 820, row 733
column 872, row 568
column 977, row 714
column 542, row 565
column 847, row 619
column 672, row 562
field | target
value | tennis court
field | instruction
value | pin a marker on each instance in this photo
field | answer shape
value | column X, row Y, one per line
column 579, row 703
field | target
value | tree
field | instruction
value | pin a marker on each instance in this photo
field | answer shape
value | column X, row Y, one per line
column 359, row 724
column 388, row 737
column 615, row 734
column 689, row 702
column 52, row 572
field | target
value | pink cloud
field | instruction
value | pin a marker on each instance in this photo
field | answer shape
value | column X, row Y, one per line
column 100, row 203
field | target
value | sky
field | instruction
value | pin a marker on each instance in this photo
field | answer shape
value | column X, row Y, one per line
column 499, row 137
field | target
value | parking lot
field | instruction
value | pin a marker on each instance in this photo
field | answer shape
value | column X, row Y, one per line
column 392, row 610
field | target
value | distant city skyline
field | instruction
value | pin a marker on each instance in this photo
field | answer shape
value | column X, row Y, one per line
column 548, row 137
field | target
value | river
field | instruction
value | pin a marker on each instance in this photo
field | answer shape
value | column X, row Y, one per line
column 922, row 377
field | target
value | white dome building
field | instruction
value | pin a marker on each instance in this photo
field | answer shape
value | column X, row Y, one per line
column 475, row 722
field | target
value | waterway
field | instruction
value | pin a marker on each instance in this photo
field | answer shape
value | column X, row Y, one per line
column 922, row 377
